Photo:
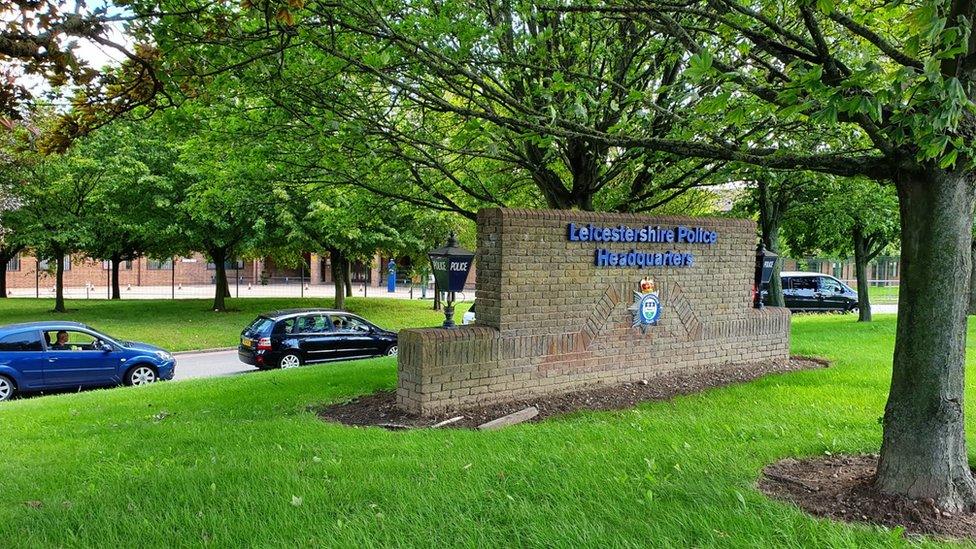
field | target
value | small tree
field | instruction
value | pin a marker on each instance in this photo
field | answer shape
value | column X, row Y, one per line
column 58, row 201
column 769, row 197
column 844, row 217
column 124, row 221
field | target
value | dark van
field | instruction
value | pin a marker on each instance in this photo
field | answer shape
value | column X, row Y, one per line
column 286, row 339
column 816, row 292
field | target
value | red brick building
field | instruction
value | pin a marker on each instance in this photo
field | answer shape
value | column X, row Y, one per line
column 23, row 272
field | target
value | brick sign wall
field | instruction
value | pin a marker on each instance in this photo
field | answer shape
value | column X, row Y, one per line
column 556, row 292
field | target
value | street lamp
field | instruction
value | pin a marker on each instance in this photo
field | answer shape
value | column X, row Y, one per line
column 765, row 260
column 451, row 265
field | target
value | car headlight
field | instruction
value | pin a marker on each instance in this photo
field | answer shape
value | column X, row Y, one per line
column 164, row 355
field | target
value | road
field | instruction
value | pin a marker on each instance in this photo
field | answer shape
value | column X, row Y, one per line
column 224, row 363
column 209, row 364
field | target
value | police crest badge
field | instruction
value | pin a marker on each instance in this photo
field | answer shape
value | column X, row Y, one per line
column 647, row 305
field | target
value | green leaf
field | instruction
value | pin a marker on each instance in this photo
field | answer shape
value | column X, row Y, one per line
column 949, row 159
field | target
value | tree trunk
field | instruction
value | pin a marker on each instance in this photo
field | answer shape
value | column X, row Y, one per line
column 116, row 290
column 861, row 259
column 338, row 278
column 923, row 450
column 59, row 284
column 219, row 257
column 770, row 219
column 4, row 259
column 347, row 275
column 972, row 278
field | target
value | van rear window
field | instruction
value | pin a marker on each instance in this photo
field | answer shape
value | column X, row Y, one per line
column 260, row 325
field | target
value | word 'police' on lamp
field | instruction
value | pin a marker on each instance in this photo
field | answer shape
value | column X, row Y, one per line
column 451, row 265
column 765, row 260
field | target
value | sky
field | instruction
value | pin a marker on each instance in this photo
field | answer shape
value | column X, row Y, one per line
column 95, row 55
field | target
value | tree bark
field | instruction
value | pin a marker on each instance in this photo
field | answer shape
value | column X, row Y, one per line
column 336, row 262
column 861, row 258
column 923, row 450
column 219, row 257
column 116, row 290
column 59, row 283
column 972, row 280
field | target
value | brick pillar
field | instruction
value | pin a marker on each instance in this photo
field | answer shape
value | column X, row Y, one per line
column 376, row 269
column 314, row 269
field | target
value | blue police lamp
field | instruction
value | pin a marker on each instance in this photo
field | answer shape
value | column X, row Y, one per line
column 451, row 265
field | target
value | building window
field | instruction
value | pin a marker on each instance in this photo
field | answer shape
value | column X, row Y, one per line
column 159, row 265
column 14, row 264
column 43, row 265
column 229, row 265
column 361, row 272
column 125, row 265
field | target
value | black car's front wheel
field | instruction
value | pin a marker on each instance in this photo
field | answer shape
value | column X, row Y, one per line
column 290, row 360
column 392, row 350
column 7, row 388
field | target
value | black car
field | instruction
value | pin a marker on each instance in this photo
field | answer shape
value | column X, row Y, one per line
column 816, row 292
column 286, row 339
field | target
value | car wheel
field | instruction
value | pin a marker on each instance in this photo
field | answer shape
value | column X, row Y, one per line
column 290, row 360
column 392, row 350
column 7, row 388
column 141, row 375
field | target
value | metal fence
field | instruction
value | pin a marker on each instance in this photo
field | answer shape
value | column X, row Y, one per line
column 194, row 278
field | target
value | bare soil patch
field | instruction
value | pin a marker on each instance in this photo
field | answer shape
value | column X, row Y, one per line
column 841, row 488
column 379, row 409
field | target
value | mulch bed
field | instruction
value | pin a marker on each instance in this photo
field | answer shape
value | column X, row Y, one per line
column 841, row 487
column 379, row 409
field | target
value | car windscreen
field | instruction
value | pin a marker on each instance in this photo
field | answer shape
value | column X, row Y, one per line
column 100, row 335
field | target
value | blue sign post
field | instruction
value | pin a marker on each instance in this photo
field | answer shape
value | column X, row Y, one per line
column 391, row 271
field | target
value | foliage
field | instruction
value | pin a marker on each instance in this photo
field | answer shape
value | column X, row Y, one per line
column 834, row 210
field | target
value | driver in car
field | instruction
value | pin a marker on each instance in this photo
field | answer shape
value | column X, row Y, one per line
column 62, row 342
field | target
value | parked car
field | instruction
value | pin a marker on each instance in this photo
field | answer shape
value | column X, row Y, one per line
column 39, row 356
column 286, row 339
column 468, row 316
column 804, row 291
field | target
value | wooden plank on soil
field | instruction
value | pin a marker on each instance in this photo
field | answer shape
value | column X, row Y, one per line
column 511, row 419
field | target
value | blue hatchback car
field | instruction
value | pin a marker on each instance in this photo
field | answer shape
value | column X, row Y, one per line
column 65, row 355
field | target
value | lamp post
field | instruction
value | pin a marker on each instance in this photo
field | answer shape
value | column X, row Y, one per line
column 451, row 265
column 765, row 260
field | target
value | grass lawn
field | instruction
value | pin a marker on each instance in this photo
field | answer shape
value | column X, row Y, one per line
column 183, row 325
column 233, row 462
column 883, row 294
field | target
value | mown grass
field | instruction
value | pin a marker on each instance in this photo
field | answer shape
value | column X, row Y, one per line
column 235, row 462
column 183, row 325
column 883, row 294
